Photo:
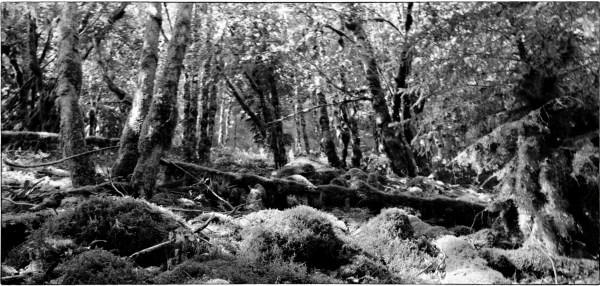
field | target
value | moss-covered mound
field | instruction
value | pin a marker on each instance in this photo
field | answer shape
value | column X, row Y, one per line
column 126, row 224
column 16, row 228
column 301, row 234
column 100, row 267
column 390, row 236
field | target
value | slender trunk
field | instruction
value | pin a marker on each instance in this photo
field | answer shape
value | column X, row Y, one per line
column 326, row 136
column 315, row 116
column 303, row 125
column 69, row 75
column 227, row 119
column 253, row 116
column 277, row 130
column 209, row 110
column 128, row 150
column 221, row 117
column 393, row 145
column 298, row 141
column 349, row 118
column 159, row 125
column 189, row 121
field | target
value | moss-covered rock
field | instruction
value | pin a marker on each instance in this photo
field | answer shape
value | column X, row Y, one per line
column 301, row 234
column 100, row 267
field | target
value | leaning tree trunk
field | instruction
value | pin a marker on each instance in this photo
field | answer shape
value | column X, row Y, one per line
column 69, row 78
column 159, row 126
column 128, row 151
column 393, row 145
column 326, row 137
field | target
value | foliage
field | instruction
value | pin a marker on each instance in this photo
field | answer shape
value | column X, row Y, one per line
column 100, row 267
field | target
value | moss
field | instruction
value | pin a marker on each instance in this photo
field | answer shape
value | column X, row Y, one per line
column 16, row 228
column 100, row 267
column 128, row 225
column 355, row 173
column 301, row 234
column 339, row 182
column 390, row 236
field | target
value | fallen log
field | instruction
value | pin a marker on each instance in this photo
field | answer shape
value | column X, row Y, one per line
column 52, row 138
column 444, row 211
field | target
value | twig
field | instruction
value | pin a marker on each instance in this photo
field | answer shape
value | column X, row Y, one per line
column 58, row 161
column 113, row 185
column 151, row 248
column 205, row 224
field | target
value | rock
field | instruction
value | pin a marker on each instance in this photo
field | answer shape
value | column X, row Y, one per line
column 415, row 190
column 300, row 179
column 315, row 172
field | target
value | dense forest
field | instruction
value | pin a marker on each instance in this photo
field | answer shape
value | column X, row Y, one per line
column 323, row 143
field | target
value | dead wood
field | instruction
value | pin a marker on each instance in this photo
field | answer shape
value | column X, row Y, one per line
column 53, row 138
column 58, row 161
column 444, row 211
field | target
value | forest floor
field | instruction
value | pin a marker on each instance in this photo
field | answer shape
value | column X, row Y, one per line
column 187, row 234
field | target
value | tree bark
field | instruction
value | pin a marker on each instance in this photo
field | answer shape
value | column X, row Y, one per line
column 69, row 80
column 277, row 130
column 393, row 145
column 209, row 110
column 303, row 125
column 128, row 151
column 190, row 112
column 326, row 136
column 227, row 119
column 221, row 117
column 159, row 126
column 297, row 123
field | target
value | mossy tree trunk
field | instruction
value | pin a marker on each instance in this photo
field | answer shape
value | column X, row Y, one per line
column 393, row 144
column 189, row 119
column 277, row 130
column 69, row 80
column 349, row 118
column 159, row 126
column 326, row 134
column 209, row 110
column 128, row 151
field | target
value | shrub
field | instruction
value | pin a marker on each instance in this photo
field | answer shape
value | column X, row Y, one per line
column 100, row 267
column 301, row 234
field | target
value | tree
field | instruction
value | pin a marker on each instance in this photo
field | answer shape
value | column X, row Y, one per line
column 68, row 88
column 159, row 124
column 326, row 135
column 393, row 142
column 128, row 151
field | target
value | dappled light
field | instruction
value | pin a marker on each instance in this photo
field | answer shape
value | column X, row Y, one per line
column 300, row 143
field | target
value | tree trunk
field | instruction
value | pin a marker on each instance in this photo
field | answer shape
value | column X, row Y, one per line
column 128, row 151
column 315, row 116
column 209, row 110
column 298, row 141
column 393, row 145
column 277, row 130
column 69, row 80
column 303, row 125
column 159, row 125
column 189, row 120
column 221, row 117
column 326, row 137
column 227, row 119
column 349, row 117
